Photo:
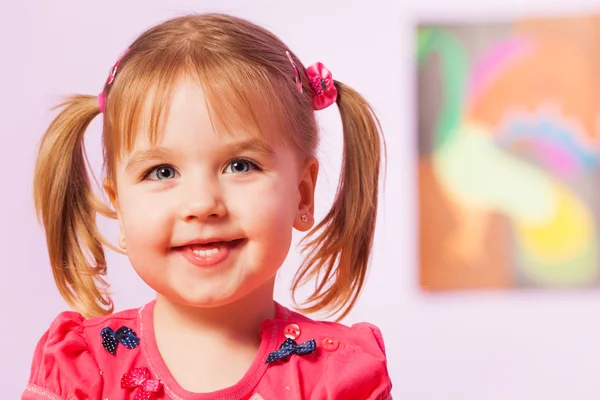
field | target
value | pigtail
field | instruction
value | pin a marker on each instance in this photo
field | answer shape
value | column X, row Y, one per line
column 67, row 206
column 345, row 236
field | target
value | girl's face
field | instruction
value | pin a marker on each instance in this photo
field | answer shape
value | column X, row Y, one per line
column 207, row 217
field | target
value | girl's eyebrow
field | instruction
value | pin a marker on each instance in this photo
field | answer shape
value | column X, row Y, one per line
column 144, row 156
column 253, row 145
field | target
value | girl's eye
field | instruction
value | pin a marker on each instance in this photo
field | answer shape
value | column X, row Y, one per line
column 160, row 173
column 240, row 166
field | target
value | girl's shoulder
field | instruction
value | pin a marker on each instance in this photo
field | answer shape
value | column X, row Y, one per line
column 66, row 357
column 364, row 337
column 348, row 361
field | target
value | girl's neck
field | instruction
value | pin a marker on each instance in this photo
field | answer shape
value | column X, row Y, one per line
column 207, row 349
column 238, row 320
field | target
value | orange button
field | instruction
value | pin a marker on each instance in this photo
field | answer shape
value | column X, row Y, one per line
column 330, row 344
column 292, row 331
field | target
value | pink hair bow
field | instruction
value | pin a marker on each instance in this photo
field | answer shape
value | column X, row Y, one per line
column 321, row 81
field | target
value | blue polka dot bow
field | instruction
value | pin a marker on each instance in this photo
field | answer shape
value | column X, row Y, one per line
column 290, row 347
column 124, row 335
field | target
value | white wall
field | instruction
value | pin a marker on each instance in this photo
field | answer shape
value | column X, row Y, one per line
column 449, row 347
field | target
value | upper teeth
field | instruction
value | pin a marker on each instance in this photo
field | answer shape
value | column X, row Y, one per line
column 206, row 253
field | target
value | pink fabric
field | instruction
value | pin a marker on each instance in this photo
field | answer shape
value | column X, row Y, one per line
column 321, row 80
column 70, row 363
column 102, row 101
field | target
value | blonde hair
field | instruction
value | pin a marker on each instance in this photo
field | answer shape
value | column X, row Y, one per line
column 248, row 81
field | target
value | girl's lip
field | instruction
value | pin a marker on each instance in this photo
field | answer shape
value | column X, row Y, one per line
column 208, row 241
column 212, row 259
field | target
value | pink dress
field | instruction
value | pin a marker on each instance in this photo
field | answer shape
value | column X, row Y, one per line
column 307, row 360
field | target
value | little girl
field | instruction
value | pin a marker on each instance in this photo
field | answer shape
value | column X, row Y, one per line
column 209, row 143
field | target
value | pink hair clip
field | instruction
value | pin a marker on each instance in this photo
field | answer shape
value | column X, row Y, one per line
column 298, row 81
column 109, row 81
column 321, row 81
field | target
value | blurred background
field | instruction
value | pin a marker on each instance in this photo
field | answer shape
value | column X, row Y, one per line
column 486, row 270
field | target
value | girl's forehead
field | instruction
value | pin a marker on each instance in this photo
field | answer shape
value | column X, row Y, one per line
column 189, row 109
column 186, row 129
column 205, row 137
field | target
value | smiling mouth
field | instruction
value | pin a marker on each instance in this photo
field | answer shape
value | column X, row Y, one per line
column 209, row 249
column 209, row 254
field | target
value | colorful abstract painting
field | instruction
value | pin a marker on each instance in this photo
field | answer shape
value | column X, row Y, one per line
column 509, row 154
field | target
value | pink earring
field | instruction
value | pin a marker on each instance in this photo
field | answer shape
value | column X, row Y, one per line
column 304, row 218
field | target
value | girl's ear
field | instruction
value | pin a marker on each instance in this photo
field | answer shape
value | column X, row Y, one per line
column 306, row 188
column 109, row 188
